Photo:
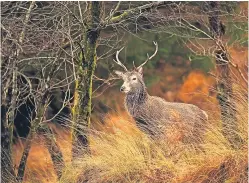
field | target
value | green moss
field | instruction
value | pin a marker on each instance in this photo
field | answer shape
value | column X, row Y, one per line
column 119, row 17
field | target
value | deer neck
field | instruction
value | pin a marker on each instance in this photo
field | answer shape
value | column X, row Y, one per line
column 135, row 100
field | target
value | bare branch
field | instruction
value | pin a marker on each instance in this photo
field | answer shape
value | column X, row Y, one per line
column 238, row 69
column 25, row 23
column 129, row 12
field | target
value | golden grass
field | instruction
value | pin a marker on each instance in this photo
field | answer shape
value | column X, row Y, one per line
column 129, row 156
column 122, row 153
column 124, row 158
column 39, row 167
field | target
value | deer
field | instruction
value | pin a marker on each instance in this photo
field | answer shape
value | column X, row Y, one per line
column 154, row 115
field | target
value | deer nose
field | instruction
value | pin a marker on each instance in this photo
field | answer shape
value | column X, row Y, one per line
column 122, row 88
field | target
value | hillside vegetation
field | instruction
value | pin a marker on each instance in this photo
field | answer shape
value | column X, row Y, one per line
column 127, row 155
column 121, row 153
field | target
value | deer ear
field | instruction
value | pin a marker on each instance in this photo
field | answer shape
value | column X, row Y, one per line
column 140, row 70
column 119, row 73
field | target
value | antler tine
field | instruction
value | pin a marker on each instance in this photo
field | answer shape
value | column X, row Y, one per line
column 134, row 66
column 150, row 57
column 118, row 61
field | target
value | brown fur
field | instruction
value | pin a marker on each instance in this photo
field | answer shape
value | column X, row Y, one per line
column 154, row 115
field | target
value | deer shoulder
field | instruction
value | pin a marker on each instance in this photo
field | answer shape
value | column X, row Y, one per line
column 168, row 112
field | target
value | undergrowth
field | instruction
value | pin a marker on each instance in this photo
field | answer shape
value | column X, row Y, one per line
column 129, row 156
column 122, row 153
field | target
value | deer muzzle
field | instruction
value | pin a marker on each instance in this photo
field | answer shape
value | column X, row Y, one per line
column 122, row 89
column 125, row 89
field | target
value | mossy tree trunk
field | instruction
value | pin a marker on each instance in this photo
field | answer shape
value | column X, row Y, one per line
column 224, row 78
column 10, row 102
column 41, row 103
column 81, row 110
column 7, row 173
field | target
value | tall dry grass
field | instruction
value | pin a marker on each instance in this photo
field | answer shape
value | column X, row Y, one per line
column 122, row 153
column 127, row 155
column 39, row 167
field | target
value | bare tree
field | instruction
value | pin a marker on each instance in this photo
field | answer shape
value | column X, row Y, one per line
column 8, row 123
column 32, row 47
column 225, row 83
column 93, row 24
column 203, row 30
column 64, row 41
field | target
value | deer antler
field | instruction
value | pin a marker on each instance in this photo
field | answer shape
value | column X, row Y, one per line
column 118, row 61
column 134, row 66
column 149, row 57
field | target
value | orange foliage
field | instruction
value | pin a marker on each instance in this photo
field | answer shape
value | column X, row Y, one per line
column 196, row 85
column 197, row 89
column 39, row 166
column 239, row 57
column 244, row 8
column 170, row 81
column 116, row 121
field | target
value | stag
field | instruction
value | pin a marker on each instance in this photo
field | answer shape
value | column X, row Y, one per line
column 154, row 115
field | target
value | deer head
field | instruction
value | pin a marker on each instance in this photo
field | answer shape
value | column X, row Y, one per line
column 133, row 80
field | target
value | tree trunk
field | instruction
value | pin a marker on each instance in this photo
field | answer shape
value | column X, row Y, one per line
column 224, row 79
column 55, row 152
column 83, row 90
column 25, row 154
column 10, row 106
column 41, row 107
column 7, row 171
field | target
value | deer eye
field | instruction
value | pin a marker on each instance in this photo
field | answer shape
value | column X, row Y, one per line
column 134, row 79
